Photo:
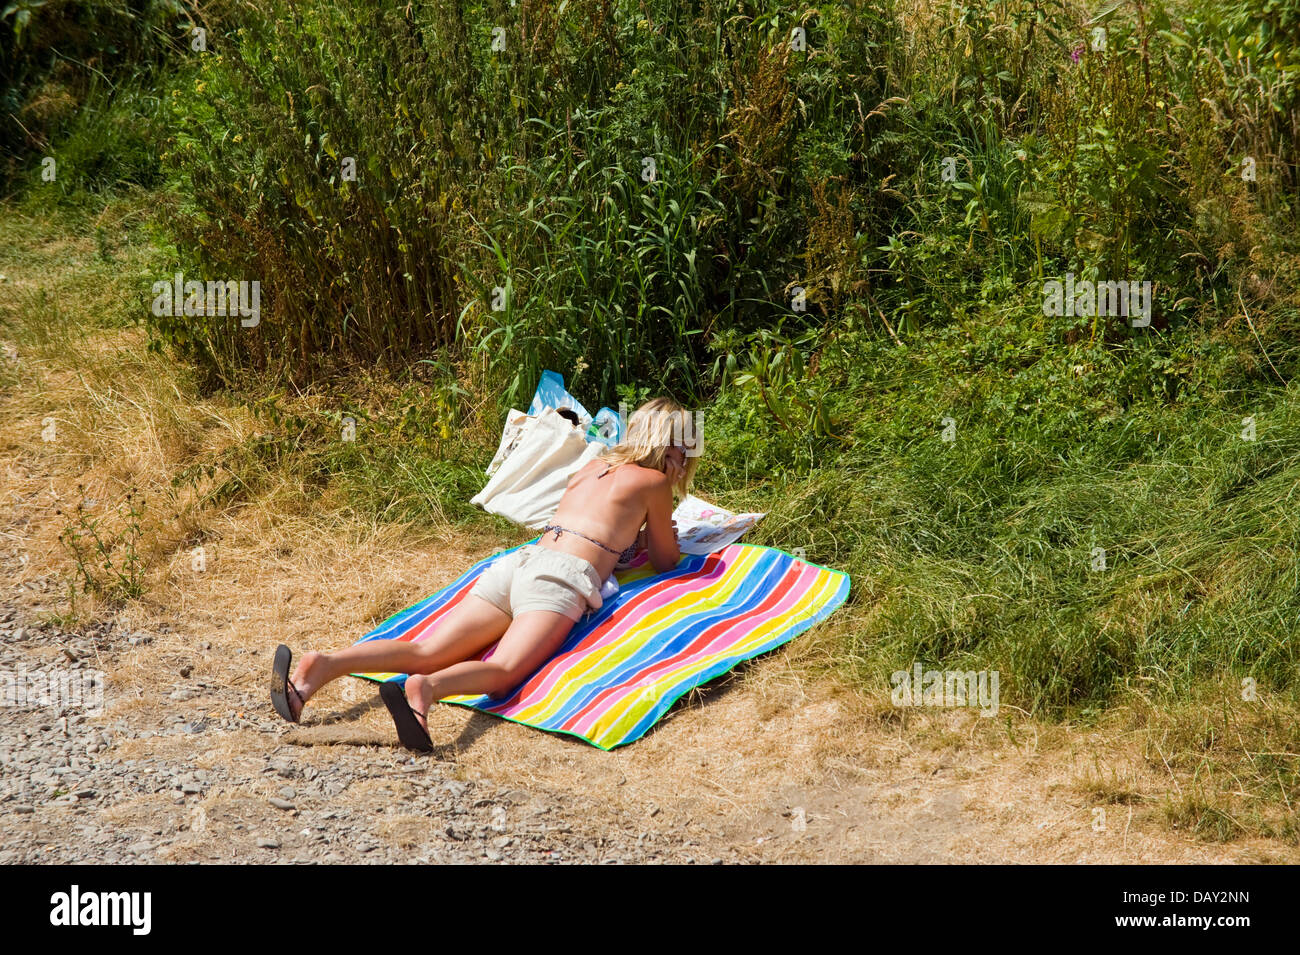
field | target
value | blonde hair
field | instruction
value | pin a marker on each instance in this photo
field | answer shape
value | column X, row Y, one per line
column 652, row 429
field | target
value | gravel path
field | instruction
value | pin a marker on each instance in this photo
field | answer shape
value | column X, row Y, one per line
column 157, row 780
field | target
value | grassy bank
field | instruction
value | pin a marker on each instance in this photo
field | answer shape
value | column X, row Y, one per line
column 830, row 229
column 973, row 554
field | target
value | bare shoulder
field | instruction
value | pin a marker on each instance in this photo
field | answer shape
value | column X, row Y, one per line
column 632, row 479
column 593, row 466
column 643, row 477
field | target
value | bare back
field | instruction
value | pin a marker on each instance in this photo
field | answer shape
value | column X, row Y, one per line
column 610, row 505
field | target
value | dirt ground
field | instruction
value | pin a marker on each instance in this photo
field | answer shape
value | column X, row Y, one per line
column 763, row 765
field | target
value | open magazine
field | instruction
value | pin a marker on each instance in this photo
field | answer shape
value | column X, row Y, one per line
column 703, row 528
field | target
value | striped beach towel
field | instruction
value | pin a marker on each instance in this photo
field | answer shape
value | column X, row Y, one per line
column 661, row 635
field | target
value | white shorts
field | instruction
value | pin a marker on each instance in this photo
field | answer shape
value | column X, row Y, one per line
column 533, row 577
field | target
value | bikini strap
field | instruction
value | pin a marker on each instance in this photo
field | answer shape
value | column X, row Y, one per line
column 564, row 530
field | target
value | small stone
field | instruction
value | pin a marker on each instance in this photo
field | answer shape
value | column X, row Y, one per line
column 287, row 792
column 23, row 810
column 86, row 794
column 281, row 803
column 140, row 640
column 186, row 670
column 265, row 843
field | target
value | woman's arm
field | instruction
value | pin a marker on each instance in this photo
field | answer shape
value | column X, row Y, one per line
column 661, row 530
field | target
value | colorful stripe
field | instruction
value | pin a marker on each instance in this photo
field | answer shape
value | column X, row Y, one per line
column 661, row 636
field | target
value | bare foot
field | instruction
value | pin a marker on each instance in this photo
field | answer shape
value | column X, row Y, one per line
column 419, row 696
column 307, row 678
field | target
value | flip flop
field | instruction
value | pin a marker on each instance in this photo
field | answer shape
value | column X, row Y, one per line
column 409, row 730
column 280, row 685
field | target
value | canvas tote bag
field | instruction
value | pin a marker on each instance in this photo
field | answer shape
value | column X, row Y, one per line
column 527, row 485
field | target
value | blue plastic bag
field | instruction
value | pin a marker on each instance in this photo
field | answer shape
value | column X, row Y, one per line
column 606, row 427
column 551, row 393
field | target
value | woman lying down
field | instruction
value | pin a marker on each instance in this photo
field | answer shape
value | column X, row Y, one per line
column 528, row 601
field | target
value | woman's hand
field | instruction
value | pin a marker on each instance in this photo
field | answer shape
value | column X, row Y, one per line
column 675, row 465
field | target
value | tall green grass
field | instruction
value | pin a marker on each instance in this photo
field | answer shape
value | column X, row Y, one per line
column 78, row 84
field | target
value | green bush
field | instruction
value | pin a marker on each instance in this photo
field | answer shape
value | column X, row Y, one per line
column 75, row 84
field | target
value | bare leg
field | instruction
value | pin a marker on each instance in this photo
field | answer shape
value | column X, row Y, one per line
column 469, row 628
column 531, row 640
